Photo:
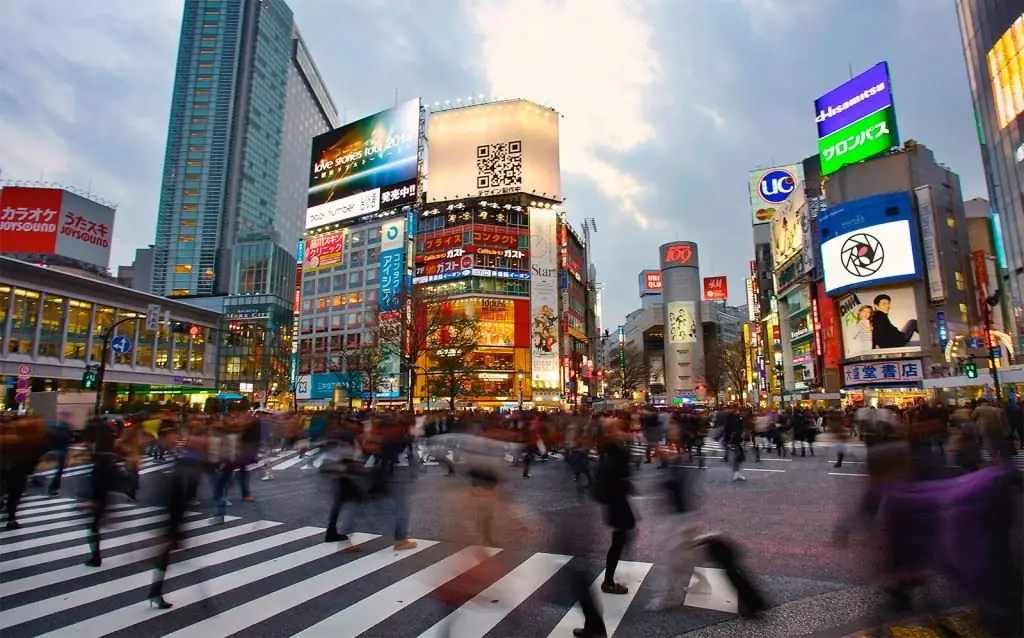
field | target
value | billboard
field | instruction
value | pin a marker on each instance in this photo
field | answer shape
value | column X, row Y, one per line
column 323, row 251
column 682, row 322
column 364, row 167
column 493, row 149
column 650, row 282
column 880, row 321
column 900, row 371
column 930, row 243
column 868, row 241
column 856, row 120
column 544, row 298
column 788, row 224
column 53, row 221
column 1006, row 68
column 770, row 188
column 716, row 288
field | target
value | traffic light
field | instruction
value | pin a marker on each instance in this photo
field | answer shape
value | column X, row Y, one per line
column 182, row 328
column 971, row 369
column 89, row 378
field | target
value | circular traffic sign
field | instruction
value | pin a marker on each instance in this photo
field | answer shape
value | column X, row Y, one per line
column 260, row 395
column 24, row 369
column 22, row 384
column 121, row 344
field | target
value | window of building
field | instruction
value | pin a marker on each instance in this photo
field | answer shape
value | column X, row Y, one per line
column 963, row 312
column 336, row 321
column 353, row 319
column 339, row 282
column 79, row 316
column 323, row 303
column 374, row 236
column 188, row 223
column 356, row 238
column 105, row 317
column 194, row 163
column 321, row 324
column 306, row 326
column 180, row 292
column 190, row 192
column 323, row 285
column 51, row 328
column 205, row 65
column 356, row 259
column 355, row 298
column 182, row 269
column 338, row 301
column 23, row 321
column 355, row 279
column 186, row 239
column 196, row 149
column 959, row 276
column 192, row 208
column 372, row 255
column 951, row 221
column 370, row 297
column 307, row 306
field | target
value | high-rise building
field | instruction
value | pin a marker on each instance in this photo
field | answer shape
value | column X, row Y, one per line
column 247, row 102
column 991, row 35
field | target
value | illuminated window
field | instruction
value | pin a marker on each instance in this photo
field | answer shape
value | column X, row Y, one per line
column 1006, row 68
column 196, row 149
column 322, row 303
column 186, row 239
column 194, row 163
column 191, row 192
column 193, row 177
column 202, row 91
column 951, row 222
column 339, row 300
column 355, row 298
column 198, row 120
column 209, row 38
column 190, row 207
column 197, row 134
column 188, row 223
column 206, row 65
column 963, row 312
column 183, row 269
column 180, row 292
column 959, row 276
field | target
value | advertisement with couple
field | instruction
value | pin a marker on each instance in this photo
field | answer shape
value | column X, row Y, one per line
column 881, row 321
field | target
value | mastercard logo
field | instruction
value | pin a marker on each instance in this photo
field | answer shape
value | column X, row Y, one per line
column 764, row 214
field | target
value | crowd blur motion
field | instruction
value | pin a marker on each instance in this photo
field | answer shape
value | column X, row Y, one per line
column 942, row 499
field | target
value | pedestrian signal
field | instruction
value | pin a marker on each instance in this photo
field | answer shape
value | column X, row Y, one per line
column 182, row 328
column 89, row 378
column 971, row 369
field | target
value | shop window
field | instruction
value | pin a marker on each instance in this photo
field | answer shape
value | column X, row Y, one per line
column 23, row 321
column 51, row 329
column 105, row 317
column 5, row 299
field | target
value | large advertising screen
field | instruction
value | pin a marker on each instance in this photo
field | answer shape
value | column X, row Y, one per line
column 493, row 149
column 682, row 322
column 868, row 241
column 650, row 282
column 52, row 221
column 1006, row 68
column 365, row 167
column 856, row 120
column 788, row 226
column 323, row 251
column 879, row 321
column 544, row 298
column 770, row 188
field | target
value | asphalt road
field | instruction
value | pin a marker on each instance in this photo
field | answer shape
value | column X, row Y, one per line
column 268, row 573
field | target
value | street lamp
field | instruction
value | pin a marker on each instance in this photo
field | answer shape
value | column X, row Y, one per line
column 519, row 376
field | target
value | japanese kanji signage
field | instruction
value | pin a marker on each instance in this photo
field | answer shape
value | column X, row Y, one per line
column 856, row 120
column 478, row 210
column 901, row 371
column 323, row 251
column 392, row 269
column 54, row 221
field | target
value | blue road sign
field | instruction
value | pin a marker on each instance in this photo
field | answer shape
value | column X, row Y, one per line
column 121, row 344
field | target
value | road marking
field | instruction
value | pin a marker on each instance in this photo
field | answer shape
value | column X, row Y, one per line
column 758, row 469
column 722, row 595
column 613, row 606
column 845, row 474
column 77, row 534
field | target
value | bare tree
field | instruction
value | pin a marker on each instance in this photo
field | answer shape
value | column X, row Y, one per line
column 421, row 325
column 345, row 364
column 733, row 361
column 630, row 373
column 366, row 362
column 711, row 371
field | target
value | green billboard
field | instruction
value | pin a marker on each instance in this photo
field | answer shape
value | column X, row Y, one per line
column 856, row 142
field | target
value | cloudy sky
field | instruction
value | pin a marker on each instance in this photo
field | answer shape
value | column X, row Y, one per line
column 667, row 103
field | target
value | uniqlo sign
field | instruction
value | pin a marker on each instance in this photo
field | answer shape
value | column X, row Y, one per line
column 53, row 221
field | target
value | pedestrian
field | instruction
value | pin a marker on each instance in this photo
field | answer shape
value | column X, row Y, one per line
column 60, row 435
column 99, row 434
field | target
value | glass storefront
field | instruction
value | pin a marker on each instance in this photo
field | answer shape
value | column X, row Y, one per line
column 79, row 318
column 51, row 326
column 24, row 316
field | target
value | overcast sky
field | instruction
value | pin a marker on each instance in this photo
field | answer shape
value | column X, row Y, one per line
column 667, row 103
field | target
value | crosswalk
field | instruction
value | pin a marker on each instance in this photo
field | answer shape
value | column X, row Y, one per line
column 272, row 579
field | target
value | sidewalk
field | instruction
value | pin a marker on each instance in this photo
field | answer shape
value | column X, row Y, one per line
column 961, row 623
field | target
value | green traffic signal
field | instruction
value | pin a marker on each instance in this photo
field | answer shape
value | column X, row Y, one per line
column 89, row 378
column 972, row 370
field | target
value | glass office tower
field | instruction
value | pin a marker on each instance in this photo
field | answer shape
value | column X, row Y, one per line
column 992, row 32
column 247, row 102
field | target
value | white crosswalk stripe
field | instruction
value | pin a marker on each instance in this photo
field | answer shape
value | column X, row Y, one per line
column 256, row 574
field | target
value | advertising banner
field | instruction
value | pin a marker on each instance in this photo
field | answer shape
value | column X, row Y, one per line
column 856, row 120
column 443, row 241
column 682, row 320
column 52, row 221
column 493, row 149
column 788, row 224
column 1006, row 68
column 770, row 188
column 650, row 282
column 830, row 330
column 323, row 251
column 751, row 300
column 29, row 218
column 716, row 288
column 879, row 322
column 440, row 267
column 495, row 238
column 495, row 318
column 392, row 235
column 868, row 241
column 364, row 167
column 392, row 270
column 544, row 298
column 906, row 371
column 930, row 243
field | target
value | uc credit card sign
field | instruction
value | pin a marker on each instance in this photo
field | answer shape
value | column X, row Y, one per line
column 856, row 120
